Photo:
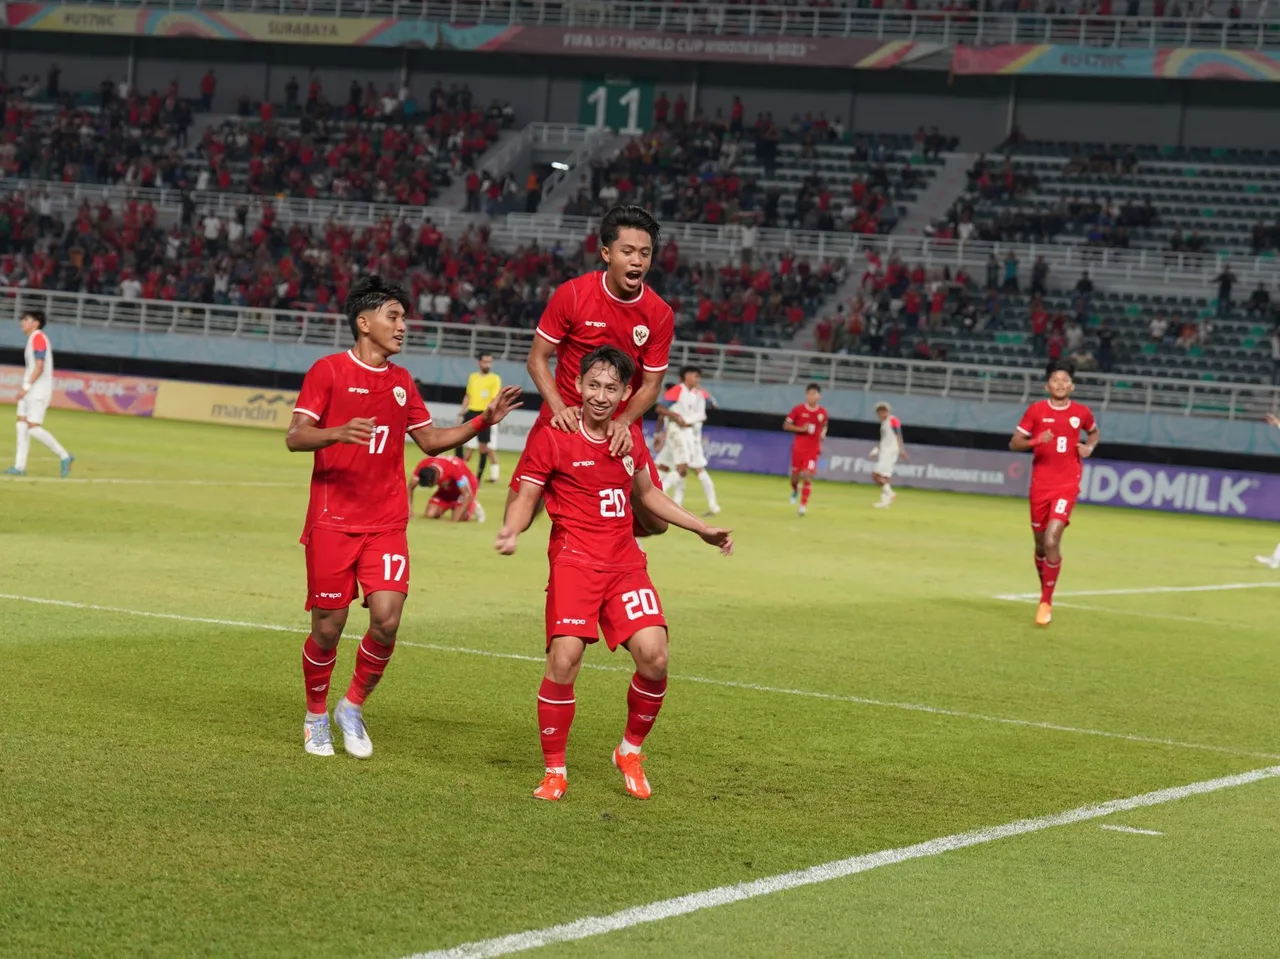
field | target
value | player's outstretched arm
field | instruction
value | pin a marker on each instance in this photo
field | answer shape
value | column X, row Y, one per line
column 434, row 440
column 665, row 508
column 563, row 416
column 306, row 436
column 518, row 517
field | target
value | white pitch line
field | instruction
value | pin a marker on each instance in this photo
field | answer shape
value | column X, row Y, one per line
column 840, row 869
column 108, row 481
column 1131, row 830
column 723, row 683
column 1016, row 597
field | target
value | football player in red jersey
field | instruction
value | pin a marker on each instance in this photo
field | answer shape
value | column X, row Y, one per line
column 457, row 489
column 353, row 412
column 599, row 581
column 809, row 422
column 609, row 308
column 1051, row 430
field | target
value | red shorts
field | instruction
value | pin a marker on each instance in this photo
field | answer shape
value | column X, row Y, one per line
column 586, row 602
column 804, row 461
column 447, row 503
column 1050, row 506
column 337, row 561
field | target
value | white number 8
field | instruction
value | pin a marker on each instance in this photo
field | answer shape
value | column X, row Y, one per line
column 1062, row 444
column 613, row 503
column 640, row 602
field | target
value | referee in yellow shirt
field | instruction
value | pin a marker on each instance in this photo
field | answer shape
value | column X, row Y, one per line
column 482, row 387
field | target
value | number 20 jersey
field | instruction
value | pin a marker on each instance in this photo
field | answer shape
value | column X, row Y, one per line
column 360, row 487
column 588, row 495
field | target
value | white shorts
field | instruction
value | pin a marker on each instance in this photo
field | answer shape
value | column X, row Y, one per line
column 33, row 406
column 686, row 448
column 474, row 442
column 666, row 457
column 886, row 462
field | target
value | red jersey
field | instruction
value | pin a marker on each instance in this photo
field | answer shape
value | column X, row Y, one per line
column 360, row 488
column 588, row 496
column 1056, row 465
column 815, row 417
column 454, row 475
column 583, row 315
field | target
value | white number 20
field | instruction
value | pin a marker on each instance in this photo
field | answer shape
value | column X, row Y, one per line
column 390, row 559
column 640, row 602
column 378, row 441
column 613, row 503
column 1062, row 444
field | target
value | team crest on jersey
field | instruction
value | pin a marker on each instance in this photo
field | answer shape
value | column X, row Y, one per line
column 1075, row 422
column 400, row 395
column 641, row 335
column 629, row 465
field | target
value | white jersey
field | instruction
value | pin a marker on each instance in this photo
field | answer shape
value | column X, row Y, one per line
column 689, row 405
column 38, row 348
column 889, row 428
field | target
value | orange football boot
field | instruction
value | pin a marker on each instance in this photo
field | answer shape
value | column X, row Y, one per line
column 631, row 765
column 1044, row 614
column 552, row 787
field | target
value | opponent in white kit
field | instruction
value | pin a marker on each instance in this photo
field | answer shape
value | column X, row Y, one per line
column 683, row 408
column 37, row 394
column 891, row 447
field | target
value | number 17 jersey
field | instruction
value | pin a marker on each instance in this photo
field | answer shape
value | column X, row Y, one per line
column 360, row 487
column 587, row 492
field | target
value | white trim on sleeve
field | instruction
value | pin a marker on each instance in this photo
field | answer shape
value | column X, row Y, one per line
column 658, row 369
column 549, row 339
column 417, row 426
column 1024, row 432
column 306, row 412
column 530, row 479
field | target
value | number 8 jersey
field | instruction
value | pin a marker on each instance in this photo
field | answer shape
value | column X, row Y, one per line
column 360, row 488
column 1056, row 466
column 587, row 492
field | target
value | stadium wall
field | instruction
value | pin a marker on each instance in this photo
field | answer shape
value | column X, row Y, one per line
column 1215, row 436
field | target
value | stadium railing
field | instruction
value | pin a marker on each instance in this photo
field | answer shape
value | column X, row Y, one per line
column 703, row 19
column 958, row 381
column 704, row 241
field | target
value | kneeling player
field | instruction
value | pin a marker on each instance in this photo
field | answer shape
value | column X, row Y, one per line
column 1051, row 429
column 456, row 493
column 599, row 581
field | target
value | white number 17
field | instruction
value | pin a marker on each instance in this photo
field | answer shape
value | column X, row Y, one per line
column 378, row 440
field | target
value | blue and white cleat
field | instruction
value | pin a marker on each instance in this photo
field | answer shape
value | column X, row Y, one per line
column 317, row 737
column 795, row 498
column 66, row 465
column 14, row 471
column 355, row 738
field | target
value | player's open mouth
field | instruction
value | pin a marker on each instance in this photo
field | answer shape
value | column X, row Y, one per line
column 633, row 276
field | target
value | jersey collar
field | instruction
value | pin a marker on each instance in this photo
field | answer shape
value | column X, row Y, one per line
column 363, row 365
column 1059, row 408
column 617, row 299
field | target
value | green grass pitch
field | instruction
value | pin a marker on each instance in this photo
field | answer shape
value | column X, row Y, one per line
column 155, row 799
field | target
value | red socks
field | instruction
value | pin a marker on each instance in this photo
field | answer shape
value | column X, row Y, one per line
column 1049, row 580
column 556, row 706
column 1040, row 568
column 317, row 667
column 371, row 662
column 644, row 699
column 805, row 489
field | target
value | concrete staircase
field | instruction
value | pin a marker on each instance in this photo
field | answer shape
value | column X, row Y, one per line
column 943, row 190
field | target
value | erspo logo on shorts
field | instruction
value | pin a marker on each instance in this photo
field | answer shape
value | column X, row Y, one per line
column 571, row 622
column 329, row 595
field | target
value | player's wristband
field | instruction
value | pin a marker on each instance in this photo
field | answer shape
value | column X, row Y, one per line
column 478, row 423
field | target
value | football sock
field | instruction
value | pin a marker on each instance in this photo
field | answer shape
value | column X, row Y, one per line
column 371, row 662
column 886, row 492
column 644, row 699
column 794, row 484
column 42, row 435
column 24, row 445
column 805, row 489
column 1050, row 581
column 317, row 667
column 1040, row 568
column 1276, row 555
column 493, row 472
column 677, row 492
column 708, row 489
column 484, row 461
column 556, row 707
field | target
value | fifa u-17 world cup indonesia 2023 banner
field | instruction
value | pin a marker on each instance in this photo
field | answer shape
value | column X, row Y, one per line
column 1172, row 489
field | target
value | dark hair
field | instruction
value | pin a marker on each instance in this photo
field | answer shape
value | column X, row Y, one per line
column 813, row 386
column 483, row 353
column 435, row 472
column 622, row 364
column 369, row 294
column 1059, row 366
column 629, row 217
column 37, row 315
column 691, row 368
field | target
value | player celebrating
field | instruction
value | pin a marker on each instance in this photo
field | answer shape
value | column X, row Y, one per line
column 1272, row 561
column 353, row 412
column 37, row 394
column 457, row 493
column 599, row 582
column 684, row 409
column 809, row 421
column 1051, row 429
column 610, row 308
column 482, row 386
column 891, row 447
